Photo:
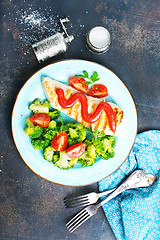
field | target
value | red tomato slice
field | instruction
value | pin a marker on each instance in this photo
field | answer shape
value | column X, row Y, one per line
column 76, row 150
column 78, row 83
column 41, row 119
column 60, row 141
column 98, row 90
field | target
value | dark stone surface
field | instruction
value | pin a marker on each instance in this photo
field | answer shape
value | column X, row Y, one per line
column 30, row 207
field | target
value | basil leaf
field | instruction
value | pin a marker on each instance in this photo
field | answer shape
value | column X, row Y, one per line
column 61, row 119
column 80, row 76
column 86, row 74
column 95, row 80
column 91, row 80
column 87, row 83
column 94, row 76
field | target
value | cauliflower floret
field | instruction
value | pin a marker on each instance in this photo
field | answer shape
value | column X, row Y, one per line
column 65, row 162
column 37, row 106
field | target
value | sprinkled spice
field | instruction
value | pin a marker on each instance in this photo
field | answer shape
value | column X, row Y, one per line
column 35, row 25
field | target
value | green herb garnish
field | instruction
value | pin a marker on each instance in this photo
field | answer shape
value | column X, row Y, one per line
column 91, row 79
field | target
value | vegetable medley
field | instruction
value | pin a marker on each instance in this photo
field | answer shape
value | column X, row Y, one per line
column 62, row 144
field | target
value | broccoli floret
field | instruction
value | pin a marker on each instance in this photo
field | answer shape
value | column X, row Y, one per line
column 88, row 158
column 29, row 123
column 72, row 133
column 48, row 153
column 92, row 151
column 95, row 133
column 55, row 157
column 54, row 114
column 38, row 106
column 52, row 125
column 50, row 131
column 40, row 144
column 105, row 146
column 49, row 134
column 76, row 133
column 65, row 162
column 33, row 131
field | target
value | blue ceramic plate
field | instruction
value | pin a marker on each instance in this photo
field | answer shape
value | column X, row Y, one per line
column 76, row 176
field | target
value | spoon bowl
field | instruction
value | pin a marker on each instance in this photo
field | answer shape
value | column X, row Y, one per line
column 140, row 178
column 149, row 180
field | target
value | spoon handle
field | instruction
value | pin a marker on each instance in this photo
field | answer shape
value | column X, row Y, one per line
column 118, row 190
column 106, row 192
column 131, row 182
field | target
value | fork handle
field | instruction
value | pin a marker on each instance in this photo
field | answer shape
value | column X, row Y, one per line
column 106, row 192
column 119, row 190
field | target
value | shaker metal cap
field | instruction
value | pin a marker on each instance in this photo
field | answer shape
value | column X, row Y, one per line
column 98, row 39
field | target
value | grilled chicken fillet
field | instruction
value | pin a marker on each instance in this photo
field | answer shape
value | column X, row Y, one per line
column 102, row 124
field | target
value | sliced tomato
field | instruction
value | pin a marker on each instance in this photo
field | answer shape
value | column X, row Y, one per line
column 60, row 141
column 98, row 90
column 76, row 150
column 78, row 83
column 41, row 119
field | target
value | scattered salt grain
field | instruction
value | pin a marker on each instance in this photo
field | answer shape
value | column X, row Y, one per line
column 35, row 24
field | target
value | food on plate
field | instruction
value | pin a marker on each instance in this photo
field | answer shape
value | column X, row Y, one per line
column 76, row 150
column 78, row 83
column 98, row 90
column 89, row 157
column 65, row 162
column 111, row 122
column 37, row 106
column 75, row 131
column 82, row 99
column 33, row 131
column 90, row 79
column 49, row 154
column 41, row 119
column 40, row 143
column 65, row 144
column 104, row 146
column 60, row 141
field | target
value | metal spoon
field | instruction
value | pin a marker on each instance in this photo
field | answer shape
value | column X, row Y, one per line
column 137, row 179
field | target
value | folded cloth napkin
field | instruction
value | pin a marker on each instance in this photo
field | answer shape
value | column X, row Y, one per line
column 135, row 213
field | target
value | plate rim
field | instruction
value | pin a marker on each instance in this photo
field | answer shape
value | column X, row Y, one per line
column 28, row 81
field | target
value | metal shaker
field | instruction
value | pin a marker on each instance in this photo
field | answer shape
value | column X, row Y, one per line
column 53, row 45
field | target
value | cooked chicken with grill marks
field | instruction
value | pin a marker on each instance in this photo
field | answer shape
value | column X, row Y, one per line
column 102, row 124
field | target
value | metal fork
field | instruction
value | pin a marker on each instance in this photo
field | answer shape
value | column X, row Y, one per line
column 88, row 212
column 86, row 199
column 137, row 179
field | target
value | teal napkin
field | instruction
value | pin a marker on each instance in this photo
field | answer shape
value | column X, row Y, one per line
column 135, row 213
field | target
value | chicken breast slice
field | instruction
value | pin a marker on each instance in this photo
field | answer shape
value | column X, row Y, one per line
column 50, row 85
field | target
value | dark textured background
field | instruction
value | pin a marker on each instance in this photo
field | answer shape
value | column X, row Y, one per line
column 30, row 207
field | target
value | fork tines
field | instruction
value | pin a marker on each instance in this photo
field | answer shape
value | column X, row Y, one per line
column 76, row 221
column 76, row 201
